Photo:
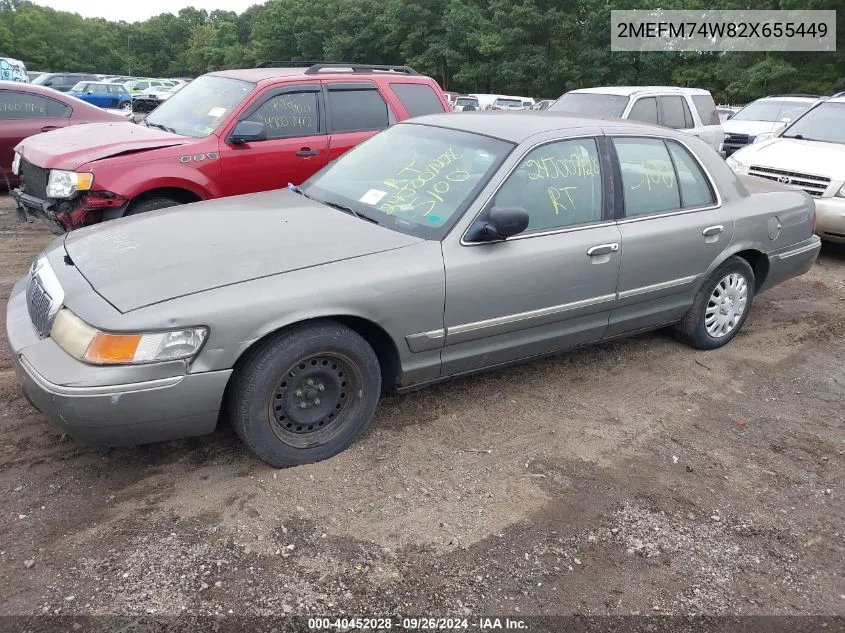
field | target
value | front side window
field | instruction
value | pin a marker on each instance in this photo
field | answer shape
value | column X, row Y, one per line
column 289, row 115
column 559, row 184
column 22, row 105
column 201, row 107
column 416, row 179
column 592, row 104
column 660, row 176
column 645, row 110
column 357, row 110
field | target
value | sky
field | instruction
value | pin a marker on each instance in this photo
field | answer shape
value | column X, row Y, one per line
column 134, row 11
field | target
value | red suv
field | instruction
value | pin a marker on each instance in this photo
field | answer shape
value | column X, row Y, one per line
column 225, row 133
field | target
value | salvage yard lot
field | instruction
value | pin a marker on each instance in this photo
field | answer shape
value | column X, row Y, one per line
column 637, row 476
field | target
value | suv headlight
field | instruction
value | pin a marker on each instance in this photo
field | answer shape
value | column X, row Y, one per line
column 90, row 345
column 63, row 184
column 16, row 164
column 736, row 166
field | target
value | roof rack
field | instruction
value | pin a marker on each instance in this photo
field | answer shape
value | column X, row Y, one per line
column 315, row 67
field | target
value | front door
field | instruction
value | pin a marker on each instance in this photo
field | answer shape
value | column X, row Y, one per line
column 551, row 287
column 672, row 231
column 296, row 145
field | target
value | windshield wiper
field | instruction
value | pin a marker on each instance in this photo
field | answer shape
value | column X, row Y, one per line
column 350, row 210
column 795, row 136
column 160, row 127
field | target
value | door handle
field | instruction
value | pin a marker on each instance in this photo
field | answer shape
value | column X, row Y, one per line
column 603, row 249
column 710, row 231
column 307, row 151
column 47, row 128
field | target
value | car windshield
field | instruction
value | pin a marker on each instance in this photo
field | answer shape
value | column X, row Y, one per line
column 592, row 103
column 772, row 110
column 824, row 123
column 508, row 103
column 79, row 87
column 416, row 179
column 201, row 106
column 462, row 101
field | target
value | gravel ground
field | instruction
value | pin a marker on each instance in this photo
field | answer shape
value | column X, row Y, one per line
column 635, row 477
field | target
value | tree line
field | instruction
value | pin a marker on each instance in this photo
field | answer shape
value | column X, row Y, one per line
column 537, row 48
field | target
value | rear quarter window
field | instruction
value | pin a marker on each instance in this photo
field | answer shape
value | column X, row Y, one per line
column 417, row 99
column 706, row 109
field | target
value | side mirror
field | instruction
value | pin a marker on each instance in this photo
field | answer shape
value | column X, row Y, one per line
column 499, row 224
column 248, row 132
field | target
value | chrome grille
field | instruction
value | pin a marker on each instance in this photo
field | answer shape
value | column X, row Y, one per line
column 39, row 305
column 814, row 185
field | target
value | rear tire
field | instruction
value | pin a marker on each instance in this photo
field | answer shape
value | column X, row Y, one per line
column 305, row 394
column 720, row 306
column 126, row 105
column 150, row 204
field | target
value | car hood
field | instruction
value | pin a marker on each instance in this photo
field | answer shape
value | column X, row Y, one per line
column 752, row 128
column 145, row 259
column 807, row 157
column 70, row 147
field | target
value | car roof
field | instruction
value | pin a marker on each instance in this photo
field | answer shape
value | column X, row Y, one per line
column 797, row 98
column 627, row 91
column 256, row 75
column 517, row 126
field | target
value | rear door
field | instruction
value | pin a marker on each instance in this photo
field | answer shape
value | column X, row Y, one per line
column 296, row 144
column 672, row 228
column 355, row 110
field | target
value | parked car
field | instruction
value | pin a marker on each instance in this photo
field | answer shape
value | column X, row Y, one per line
column 27, row 109
column 137, row 86
column 290, row 310
column 465, row 103
column 149, row 101
column 13, row 70
column 809, row 154
column 763, row 118
column 62, row 82
column 691, row 110
column 103, row 95
column 225, row 133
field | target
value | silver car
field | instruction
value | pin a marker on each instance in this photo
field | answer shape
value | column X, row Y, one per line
column 442, row 246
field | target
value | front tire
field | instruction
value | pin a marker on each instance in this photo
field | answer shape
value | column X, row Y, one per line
column 305, row 394
column 150, row 204
column 126, row 105
column 720, row 306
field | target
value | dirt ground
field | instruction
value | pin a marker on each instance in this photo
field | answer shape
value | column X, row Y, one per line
column 638, row 476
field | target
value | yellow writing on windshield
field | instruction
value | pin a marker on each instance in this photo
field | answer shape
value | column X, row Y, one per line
column 419, row 187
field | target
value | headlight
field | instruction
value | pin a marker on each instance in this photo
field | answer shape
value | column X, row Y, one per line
column 16, row 164
column 90, row 345
column 736, row 166
column 63, row 184
column 841, row 192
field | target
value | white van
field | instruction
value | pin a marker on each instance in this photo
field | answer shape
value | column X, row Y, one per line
column 13, row 70
column 690, row 110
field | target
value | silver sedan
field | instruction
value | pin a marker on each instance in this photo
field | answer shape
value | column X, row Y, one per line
column 442, row 246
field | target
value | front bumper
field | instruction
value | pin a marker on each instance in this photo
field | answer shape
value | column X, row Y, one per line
column 44, row 210
column 83, row 403
column 830, row 219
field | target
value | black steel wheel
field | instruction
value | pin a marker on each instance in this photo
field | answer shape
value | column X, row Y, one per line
column 305, row 394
